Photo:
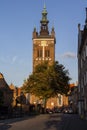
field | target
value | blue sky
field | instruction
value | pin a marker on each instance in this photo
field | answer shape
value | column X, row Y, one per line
column 17, row 20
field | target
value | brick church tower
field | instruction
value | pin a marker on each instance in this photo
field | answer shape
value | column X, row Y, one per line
column 43, row 42
column 44, row 50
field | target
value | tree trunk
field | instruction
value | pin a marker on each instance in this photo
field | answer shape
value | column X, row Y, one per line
column 45, row 102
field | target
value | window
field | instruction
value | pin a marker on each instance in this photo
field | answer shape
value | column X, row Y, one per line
column 59, row 99
column 39, row 53
column 47, row 53
column 44, row 27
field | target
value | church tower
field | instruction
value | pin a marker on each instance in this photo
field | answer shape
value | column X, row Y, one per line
column 43, row 42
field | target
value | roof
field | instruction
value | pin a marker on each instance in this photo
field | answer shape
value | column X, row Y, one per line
column 72, row 85
column 3, row 84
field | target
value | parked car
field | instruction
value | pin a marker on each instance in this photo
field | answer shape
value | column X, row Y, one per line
column 57, row 110
column 65, row 110
column 49, row 111
column 68, row 110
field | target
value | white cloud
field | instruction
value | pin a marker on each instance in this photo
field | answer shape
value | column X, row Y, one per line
column 14, row 59
column 68, row 55
column 8, row 59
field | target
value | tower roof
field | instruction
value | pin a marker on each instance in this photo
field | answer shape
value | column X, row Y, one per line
column 44, row 23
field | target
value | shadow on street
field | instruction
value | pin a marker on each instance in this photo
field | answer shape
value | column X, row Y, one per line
column 5, row 124
column 54, row 122
column 73, row 122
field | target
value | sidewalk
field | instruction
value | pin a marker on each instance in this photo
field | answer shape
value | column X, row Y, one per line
column 73, row 122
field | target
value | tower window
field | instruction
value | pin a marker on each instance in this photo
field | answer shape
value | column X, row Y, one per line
column 39, row 53
column 44, row 27
column 47, row 53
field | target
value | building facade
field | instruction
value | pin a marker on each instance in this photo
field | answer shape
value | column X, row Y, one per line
column 73, row 97
column 82, row 69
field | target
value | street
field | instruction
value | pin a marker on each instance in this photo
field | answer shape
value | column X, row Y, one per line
column 55, row 121
column 40, row 122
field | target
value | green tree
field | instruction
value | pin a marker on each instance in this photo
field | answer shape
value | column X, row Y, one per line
column 47, row 81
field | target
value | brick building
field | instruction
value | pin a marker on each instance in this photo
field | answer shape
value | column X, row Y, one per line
column 7, row 94
column 20, row 99
column 43, row 42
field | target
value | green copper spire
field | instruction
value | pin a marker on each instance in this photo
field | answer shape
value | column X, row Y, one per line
column 44, row 14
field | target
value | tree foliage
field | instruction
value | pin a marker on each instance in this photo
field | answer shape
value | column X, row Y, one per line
column 48, row 80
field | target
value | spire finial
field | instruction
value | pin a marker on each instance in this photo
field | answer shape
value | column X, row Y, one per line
column 44, row 13
column 44, row 8
column 44, row 5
